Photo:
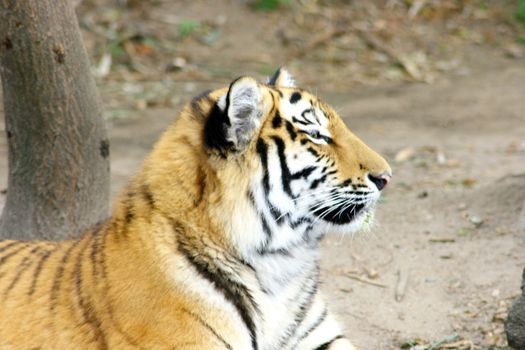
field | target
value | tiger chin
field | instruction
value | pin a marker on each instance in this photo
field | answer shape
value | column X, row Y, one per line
column 214, row 244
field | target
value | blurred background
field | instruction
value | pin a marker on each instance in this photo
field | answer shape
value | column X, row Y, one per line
column 438, row 87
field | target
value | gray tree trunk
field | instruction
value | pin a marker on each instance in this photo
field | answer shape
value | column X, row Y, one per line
column 58, row 182
column 515, row 323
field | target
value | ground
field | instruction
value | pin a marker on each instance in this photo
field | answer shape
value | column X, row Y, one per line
column 440, row 95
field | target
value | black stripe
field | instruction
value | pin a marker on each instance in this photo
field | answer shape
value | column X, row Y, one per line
column 291, row 130
column 286, row 177
column 295, row 120
column 59, row 274
column 328, row 343
column 280, row 251
column 262, row 151
column 277, row 121
column 11, row 244
column 309, row 110
column 87, row 309
column 296, row 96
column 316, row 324
column 304, row 173
column 313, row 151
column 6, row 257
column 101, row 262
column 129, row 214
column 236, row 293
column 302, row 220
column 148, row 196
column 277, row 216
column 22, row 267
column 304, row 308
column 316, row 182
column 38, row 270
column 95, row 249
column 266, row 228
column 196, row 104
column 275, row 76
column 210, row 328
column 346, row 183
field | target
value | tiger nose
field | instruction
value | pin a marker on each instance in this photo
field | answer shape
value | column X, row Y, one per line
column 380, row 180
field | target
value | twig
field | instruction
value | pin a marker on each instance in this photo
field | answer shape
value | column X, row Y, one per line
column 375, row 44
column 437, row 345
column 364, row 280
column 459, row 345
column 442, row 240
column 318, row 40
column 401, row 285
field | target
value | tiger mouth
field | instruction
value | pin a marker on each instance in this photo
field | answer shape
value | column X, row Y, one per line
column 339, row 215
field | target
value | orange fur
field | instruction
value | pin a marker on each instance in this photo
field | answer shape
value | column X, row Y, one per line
column 123, row 285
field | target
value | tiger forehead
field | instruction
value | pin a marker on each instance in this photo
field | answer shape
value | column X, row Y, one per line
column 296, row 104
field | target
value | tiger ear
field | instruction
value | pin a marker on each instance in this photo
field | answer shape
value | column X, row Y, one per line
column 237, row 116
column 282, row 78
column 243, row 110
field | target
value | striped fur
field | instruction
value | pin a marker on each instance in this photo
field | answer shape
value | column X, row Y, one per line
column 215, row 242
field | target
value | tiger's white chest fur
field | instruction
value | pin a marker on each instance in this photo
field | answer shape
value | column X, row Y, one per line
column 286, row 290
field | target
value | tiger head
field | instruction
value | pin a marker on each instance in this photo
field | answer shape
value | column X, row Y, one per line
column 269, row 163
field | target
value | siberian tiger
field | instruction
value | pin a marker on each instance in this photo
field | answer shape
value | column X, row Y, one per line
column 215, row 242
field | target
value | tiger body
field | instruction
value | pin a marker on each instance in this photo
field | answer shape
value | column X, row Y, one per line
column 214, row 244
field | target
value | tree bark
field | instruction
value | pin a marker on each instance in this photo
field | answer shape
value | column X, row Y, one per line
column 515, row 322
column 58, row 181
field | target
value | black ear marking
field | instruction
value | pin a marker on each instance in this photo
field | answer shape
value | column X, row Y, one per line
column 281, row 78
column 273, row 80
column 215, row 130
column 234, row 117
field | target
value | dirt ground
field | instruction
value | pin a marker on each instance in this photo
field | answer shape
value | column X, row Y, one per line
column 444, row 259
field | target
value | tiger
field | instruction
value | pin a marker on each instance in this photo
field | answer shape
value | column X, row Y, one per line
column 215, row 241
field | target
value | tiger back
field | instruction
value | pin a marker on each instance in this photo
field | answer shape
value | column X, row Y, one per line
column 214, row 244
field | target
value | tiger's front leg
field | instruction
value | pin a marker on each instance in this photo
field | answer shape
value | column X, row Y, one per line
column 322, row 332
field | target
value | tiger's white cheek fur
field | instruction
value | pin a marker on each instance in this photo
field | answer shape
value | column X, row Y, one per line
column 245, row 227
column 277, row 196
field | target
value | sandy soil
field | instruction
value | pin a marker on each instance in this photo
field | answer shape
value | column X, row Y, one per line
column 466, row 169
column 445, row 256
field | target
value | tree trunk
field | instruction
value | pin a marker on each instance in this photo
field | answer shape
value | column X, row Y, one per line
column 58, row 182
column 515, row 322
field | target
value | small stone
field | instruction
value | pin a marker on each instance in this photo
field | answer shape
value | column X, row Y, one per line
column 476, row 220
column 441, row 159
column 372, row 274
column 423, row 194
column 177, row 64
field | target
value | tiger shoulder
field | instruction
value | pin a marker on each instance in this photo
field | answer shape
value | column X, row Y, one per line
column 214, row 244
